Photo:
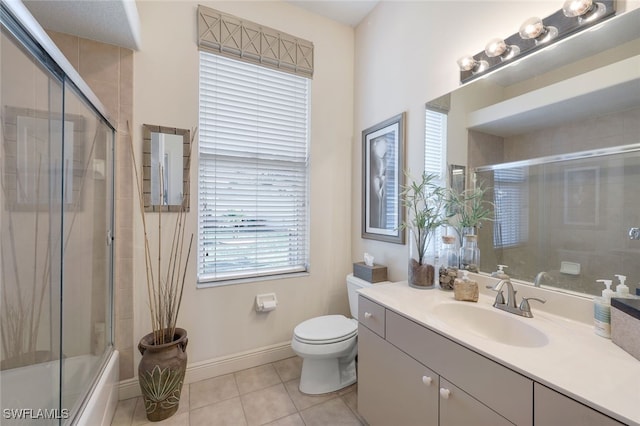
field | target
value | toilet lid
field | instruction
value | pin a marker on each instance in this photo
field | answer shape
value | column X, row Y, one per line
column 326, row 329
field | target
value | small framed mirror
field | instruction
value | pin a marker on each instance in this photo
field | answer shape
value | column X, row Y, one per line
column 165, row 168
column 457, row 176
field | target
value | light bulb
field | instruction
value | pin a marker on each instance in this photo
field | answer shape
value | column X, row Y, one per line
column 469, row 63
column 534, row 28
column 466, row 63
column 495, row 47
column 573, row 8
column 531, row 28
column 585, row 10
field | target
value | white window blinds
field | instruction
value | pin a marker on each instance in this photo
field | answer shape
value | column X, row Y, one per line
column 511, row 200
column 435, row 140
column 253, row 168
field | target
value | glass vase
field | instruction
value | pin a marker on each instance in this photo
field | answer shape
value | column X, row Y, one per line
column 448, row 260
column 422, row 260
column 470, row 253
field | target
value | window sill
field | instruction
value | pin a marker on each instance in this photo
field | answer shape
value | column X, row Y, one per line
column 220, row 283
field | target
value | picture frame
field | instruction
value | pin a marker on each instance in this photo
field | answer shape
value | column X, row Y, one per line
column 582, row 196
column 457, row 178
column 383, row 147
column 26, row 174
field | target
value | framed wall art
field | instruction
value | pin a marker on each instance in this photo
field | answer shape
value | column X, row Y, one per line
column 382, row 180
column 582, row 196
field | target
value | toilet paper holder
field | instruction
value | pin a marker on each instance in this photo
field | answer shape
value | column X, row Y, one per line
column 266, row 302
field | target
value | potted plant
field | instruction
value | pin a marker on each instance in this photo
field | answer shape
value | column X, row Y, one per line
column 425, row 200
column 164, row 359
column 466, row 210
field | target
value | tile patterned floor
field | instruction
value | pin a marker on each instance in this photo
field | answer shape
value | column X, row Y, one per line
column 264, row 395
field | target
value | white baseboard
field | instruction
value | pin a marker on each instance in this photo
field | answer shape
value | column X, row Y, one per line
column 202, row 370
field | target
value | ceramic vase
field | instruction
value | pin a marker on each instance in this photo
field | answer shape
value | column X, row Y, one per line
column 161, row 374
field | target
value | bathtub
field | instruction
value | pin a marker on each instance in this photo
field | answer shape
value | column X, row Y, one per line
column 29, row 395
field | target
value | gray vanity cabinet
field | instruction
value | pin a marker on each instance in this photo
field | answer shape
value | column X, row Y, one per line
column 552, row 408
column 398, row 383
column 410, row 375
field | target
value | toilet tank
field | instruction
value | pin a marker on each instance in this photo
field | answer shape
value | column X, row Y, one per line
column 353, row 284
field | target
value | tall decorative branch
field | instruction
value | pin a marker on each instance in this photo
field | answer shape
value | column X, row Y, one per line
column 164, row 289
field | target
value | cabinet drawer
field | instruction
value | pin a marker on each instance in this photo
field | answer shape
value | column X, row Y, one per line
column 371, row 315
column 505, row 391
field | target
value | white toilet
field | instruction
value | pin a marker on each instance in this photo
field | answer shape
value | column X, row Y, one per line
column 328, row 347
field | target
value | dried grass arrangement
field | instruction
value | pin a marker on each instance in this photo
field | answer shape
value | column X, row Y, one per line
column 164, row 278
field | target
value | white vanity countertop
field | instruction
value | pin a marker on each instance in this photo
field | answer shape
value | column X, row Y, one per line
column 575, row 361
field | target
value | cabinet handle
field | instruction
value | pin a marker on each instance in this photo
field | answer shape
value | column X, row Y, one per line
column 368, row 315
column 445, row 393
column 427, row 380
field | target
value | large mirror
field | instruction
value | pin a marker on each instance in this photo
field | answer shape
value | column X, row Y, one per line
column 165, row 168
column 556, row 139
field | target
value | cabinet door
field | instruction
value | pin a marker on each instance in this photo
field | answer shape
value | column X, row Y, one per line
column 393, row 388
column 457, row 408
column 551, row 408
column 496, row 386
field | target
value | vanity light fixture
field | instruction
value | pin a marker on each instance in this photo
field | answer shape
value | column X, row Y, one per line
column 534, row 34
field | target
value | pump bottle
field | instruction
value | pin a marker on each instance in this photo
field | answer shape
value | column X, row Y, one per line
column 500, row 273
column 622, row 290
column 602, row 311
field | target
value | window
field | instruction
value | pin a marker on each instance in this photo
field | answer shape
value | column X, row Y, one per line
column 511, row 200
column 434, row 152
column 253, row 170
column 435, row 142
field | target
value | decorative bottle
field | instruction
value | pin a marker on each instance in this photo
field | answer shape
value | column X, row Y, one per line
column 448, row 262
column 470, row 254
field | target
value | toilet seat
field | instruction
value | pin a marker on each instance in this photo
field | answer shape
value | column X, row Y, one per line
column 326, row 329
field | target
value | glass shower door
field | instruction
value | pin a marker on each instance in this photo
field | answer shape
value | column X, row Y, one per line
column 31, row 162
column 86, row 271
column 56, row 213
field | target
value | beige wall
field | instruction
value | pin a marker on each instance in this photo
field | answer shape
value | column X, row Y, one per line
column 222, row 321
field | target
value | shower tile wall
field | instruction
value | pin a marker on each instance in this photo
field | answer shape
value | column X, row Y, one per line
column 108, row 70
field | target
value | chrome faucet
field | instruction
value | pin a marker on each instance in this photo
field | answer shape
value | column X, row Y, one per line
column 541, row 276
column 511, row 294
column 509, row 305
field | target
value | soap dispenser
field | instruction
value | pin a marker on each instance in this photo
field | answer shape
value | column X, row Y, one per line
column 602, row 310
column 465, row 289
column 500, row 273
column 622, row 290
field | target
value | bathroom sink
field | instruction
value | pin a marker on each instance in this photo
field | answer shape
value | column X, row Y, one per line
column 488, row 322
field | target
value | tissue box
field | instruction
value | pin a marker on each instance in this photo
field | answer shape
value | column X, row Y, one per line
column 373, row 274
column 625, row 325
